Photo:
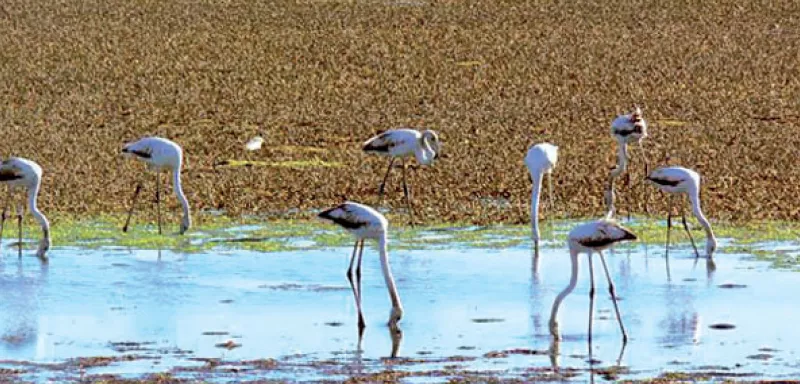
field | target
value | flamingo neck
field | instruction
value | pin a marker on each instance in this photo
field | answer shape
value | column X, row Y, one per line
column 536, row 191
column 694, row 198
column 187, row 219
column 33, row 193
column 573, row 281
column 622, row 160
column 387, row 272
column 423, row 152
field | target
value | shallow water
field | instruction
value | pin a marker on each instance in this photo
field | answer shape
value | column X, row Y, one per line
column 462, row 307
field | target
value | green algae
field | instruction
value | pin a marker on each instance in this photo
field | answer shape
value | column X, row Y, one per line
column 254, row 233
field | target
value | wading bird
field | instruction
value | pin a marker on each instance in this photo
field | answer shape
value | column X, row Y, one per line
column 364, row 223
column 402, row 143
column 677, row 180
column 19, row 172
column 541, row 158
column 592, row 237
column 626, row 129
column 160, row 155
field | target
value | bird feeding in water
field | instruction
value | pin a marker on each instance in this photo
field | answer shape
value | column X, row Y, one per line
column 402, row 143
column 680, row 180
column 17, row 172
column 160, row 155
column 365, row 223
column 541, row 158
column 591, row 237
column 626, row 129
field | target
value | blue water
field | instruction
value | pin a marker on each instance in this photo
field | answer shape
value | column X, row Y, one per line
column 298, row 307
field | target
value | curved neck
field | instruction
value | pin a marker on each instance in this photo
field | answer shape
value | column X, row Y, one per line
column 622, row 160
column 387, row 272
column 573, row 280
column 176, row 174
column 694, row 198
column 536, row 191
column 423, row 152
column 33, row 192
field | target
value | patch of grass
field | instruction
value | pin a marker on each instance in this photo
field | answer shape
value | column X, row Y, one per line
column 283, row 235
column 310, row 163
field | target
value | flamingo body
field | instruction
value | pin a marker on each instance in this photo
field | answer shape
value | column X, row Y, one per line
column 360, row 220
column 158, row 153
column 629, row 128
column 598, row 235
column 541, row 158
column 405, row 142
column 20, row 172
column 674, row 179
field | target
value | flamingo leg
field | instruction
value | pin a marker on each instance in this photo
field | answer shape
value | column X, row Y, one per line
column 669, row 224
column 628, row 199
column 397, row 337
column 407, row 194
column 356, row 293
column 591, row 300
column 382, row 188
column 686, row 227
column 133, row 205
column 19, row 225
column 614, row 299
column 550, row 187
column 646, row 173
column 4, row 214
column 361, row 323
column 158, row 200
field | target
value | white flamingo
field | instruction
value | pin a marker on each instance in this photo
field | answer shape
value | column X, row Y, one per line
column 364, row 223
column 591, row 237
column 541, row 158
column 626, row 129
column 402, row 143
column 18, row 172
column 677, row 180
column 160, row 155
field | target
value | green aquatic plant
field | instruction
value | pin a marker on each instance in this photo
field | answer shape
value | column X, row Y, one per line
column 281, row 235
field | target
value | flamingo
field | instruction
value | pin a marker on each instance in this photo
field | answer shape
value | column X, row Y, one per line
column 626, row 129
column 160, row 155
column 541, row 158
column 402, row 143
column 677, row 180
column 18, row 172
column 363, row 223
column 592, row 237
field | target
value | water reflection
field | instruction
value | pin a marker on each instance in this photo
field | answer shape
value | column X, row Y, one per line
column 20, row 307
column 536, row 296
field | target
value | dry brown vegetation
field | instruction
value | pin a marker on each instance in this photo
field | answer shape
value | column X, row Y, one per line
column 718, row 81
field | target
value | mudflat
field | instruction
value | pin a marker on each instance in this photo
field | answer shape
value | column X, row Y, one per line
column 718, row 82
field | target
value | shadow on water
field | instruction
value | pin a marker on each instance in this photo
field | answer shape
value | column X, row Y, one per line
column 481, row 310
